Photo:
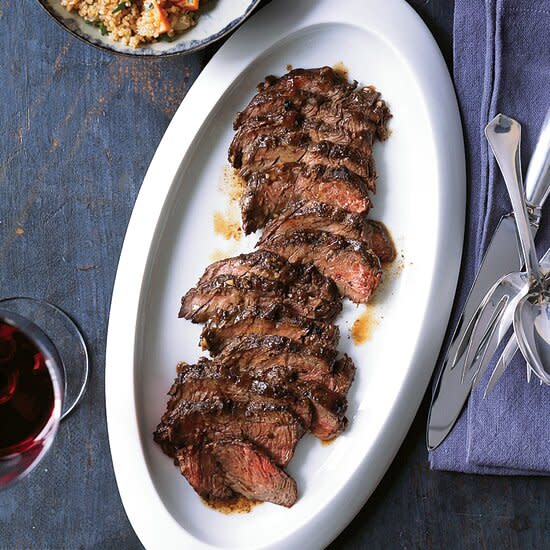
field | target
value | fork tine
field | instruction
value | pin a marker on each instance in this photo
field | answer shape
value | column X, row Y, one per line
column 502, row 364
column 487, row 320
column 487, row 353
column 463, row 344
column 474, row 322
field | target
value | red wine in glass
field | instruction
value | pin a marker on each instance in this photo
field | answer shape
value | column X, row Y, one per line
column 26, row 391
column 34, row 382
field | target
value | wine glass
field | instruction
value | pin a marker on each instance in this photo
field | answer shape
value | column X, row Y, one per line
column 43, row 376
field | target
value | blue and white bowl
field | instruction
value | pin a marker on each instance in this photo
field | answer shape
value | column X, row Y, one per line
column 215, row 21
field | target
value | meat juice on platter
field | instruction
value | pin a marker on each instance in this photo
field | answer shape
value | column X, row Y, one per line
column 26, row 391
column 303, row 149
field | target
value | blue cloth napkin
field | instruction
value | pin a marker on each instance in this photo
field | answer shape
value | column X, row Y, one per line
column 501, row 64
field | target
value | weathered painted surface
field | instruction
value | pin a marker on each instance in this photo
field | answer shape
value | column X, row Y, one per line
column 78, row 129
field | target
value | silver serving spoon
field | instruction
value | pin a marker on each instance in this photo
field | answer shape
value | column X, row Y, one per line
column 504, row 136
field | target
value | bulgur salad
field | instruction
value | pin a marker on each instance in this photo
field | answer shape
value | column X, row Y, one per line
column 136, row 22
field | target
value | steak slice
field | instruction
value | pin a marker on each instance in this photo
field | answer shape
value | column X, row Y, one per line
column 212, row 381
column 379, row 240
column 290, row 94
column 252, row 474
column 320, row 337
column 278, row 359
column 329, row 410
column 219, row 470
column 201, row 469
column 322, row 81
column 339, row 134
column 260, row 146
column 344, row 373
column 256, row 149
column 274, row 430
column 303, row 284
column 268, row 194
column 337, row 154
column 324, row 418
column 350, row 264
column 358, row 110
column 324, row 217
column 312, row 296
column 272, row 108
column 295, row 88
column 226, row 291
column 260, row 262
column 283, row 363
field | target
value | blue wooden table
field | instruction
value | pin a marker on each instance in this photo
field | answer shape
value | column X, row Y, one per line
column 78, row 130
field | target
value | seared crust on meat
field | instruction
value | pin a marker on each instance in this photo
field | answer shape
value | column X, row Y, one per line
column 350, row 264
column 325, row 217
column 302, row 289
column 320, row 337
column 270, row 193
column 273, row 429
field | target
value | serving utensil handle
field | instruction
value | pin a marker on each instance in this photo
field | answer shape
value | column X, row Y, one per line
column 504, row 136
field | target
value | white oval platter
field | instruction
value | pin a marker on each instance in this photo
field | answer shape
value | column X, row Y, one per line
column 170, row 240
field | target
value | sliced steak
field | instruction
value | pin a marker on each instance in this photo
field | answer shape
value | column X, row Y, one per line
column 379, row 240
column 322, row 216
column 312, row 296
column 351, row 117
column 296, row 87
column 328, row 134
column 266, row 356
column 252, row 474
column 322, row 81
column 350, row 264
column 274, row 430
column 320, row 337
column 270, row 107
column 268, row 194
column 260, row 262
column 335, row 154
column 212, row 381
column 344, row 373
column 360, row 112
column 329, row 409
column 261, row 146
column 201, row 469
column 281, row 363
column 220, row 470
column 225, row 292
column 307, row 291
column 284, row 363
column 278, row 358
column 338, row 107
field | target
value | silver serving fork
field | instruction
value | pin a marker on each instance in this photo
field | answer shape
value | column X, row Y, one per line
column 495, row 313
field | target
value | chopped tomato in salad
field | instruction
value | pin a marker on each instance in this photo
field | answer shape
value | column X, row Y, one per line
column 162, row 16
column 191, row 5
